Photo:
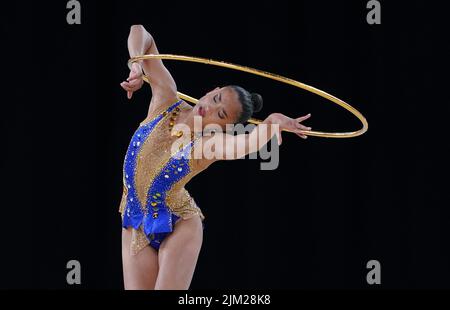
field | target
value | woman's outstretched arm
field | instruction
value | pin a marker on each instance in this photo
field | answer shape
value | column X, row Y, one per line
column 228, row 147
column 164, row 89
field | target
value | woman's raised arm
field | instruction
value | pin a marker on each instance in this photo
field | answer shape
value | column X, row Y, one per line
column 164, row 89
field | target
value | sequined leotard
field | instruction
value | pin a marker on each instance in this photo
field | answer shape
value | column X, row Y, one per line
column 154, row 196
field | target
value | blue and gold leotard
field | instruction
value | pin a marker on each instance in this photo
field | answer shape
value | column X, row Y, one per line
column 154, row 197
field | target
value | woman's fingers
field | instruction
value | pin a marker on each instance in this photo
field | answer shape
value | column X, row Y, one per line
column 134, row 77
column 126, row 86
column 136, row 84
column 133, row 86
column 302, row 127
column 129, row 89
column 302, row 118
column 133, row 83
column 302, row 136
column 301, row 133
column 297, row 125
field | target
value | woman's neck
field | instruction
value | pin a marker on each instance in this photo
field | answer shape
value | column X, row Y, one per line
column 186, row 117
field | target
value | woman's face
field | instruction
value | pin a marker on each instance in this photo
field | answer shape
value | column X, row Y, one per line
column 220, row 106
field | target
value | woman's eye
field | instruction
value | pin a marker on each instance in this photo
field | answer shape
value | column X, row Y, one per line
column 214, row 98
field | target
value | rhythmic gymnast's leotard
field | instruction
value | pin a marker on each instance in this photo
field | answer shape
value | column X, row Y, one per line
column 154, row 197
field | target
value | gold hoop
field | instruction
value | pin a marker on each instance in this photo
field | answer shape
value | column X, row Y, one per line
column 270, row 76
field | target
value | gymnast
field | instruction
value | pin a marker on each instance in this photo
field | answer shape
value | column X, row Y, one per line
column 162, row 226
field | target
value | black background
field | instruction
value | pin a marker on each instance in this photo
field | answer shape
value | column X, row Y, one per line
column 329, row 208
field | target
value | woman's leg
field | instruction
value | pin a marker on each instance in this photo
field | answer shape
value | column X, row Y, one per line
column 178, row 255
column 141, row 270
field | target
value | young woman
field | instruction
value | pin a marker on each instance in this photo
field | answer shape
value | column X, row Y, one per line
column 162, row 225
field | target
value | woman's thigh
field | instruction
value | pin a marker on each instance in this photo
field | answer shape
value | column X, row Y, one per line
column 178, row 254
column 140, row 271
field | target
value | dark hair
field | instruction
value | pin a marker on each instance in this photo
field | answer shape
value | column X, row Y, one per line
column 251, row 103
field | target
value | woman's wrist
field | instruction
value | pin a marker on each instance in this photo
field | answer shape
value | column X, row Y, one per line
column 272, row 118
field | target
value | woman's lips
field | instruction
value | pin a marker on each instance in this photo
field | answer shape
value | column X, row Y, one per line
column 201, row 111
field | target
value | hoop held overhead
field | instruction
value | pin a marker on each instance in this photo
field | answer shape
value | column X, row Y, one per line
column 268, row 75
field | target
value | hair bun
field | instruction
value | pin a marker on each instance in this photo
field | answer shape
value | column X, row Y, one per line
column 257, row 102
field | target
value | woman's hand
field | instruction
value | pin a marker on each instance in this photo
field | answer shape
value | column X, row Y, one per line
column 134, row 81
column 292, row 124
